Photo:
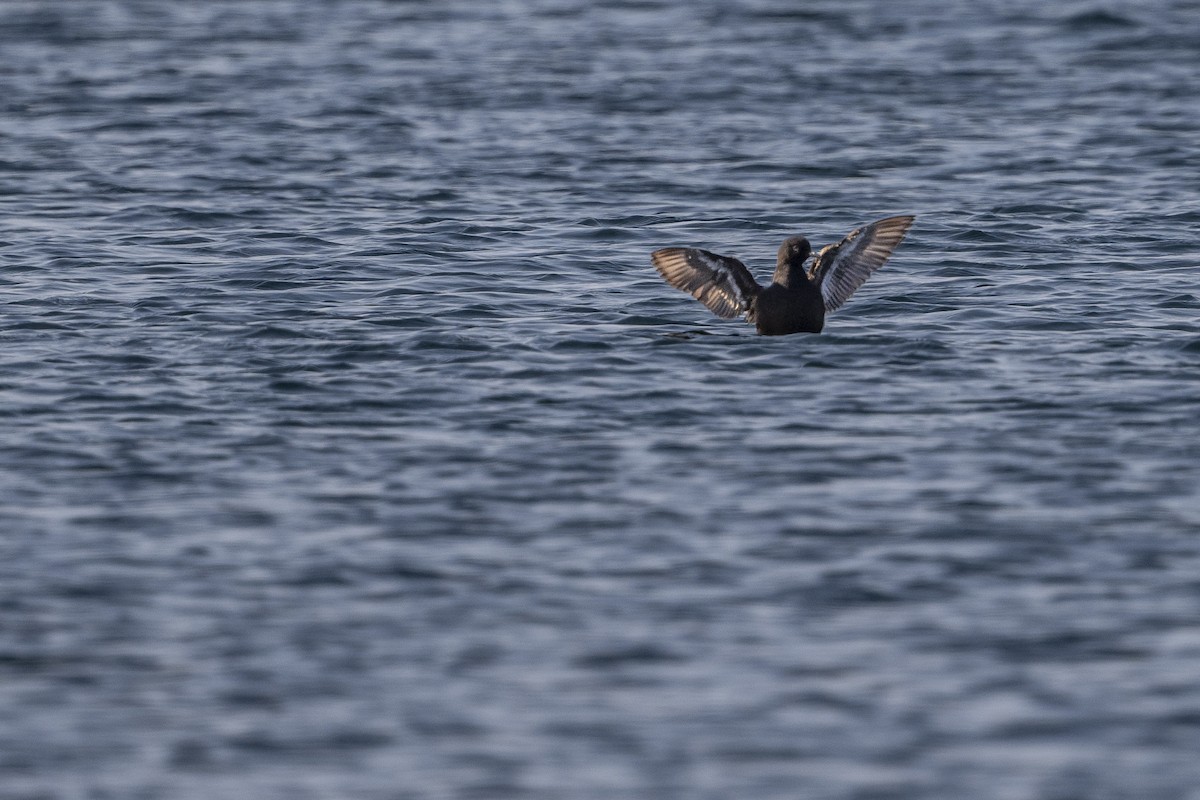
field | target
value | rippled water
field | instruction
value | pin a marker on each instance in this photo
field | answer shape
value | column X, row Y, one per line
column 352, row 448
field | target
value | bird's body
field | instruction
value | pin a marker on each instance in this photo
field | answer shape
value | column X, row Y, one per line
column 795, row 301
column 778, row 310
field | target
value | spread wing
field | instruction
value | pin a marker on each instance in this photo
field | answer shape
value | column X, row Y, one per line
column 839, row 269
column 720, row 282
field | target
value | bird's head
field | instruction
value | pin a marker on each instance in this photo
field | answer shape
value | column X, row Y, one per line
column 795, row 250
column 792, row 255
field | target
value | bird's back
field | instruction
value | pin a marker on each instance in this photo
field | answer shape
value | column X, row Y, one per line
column 780, row 310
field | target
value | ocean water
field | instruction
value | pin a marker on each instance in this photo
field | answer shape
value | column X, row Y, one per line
column 352, row 448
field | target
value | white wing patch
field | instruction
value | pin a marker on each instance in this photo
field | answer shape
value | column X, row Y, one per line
column 839, row 269
column 720, row 282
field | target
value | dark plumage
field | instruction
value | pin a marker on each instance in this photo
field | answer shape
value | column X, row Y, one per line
column 796, row 301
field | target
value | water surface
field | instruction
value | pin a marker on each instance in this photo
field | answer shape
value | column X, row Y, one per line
column 352, row 447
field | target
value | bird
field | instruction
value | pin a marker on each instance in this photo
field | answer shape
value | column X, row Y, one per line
column 796, row 301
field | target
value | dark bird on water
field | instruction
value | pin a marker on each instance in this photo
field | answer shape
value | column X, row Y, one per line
column 796, row 301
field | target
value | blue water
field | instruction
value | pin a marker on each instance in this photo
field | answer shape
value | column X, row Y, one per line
column 352, row 448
